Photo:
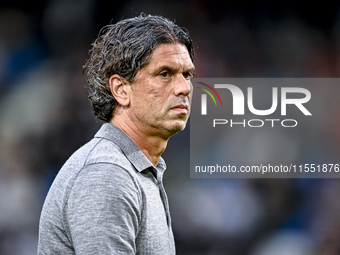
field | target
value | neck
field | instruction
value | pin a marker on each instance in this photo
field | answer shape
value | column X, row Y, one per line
column 151, row 145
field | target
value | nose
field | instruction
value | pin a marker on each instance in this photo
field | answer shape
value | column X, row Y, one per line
column 183, row 86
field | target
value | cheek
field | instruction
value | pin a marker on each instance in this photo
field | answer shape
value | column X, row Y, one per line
column 158, row 99
column 152, row 98
column 149, row 102
column 154, row 93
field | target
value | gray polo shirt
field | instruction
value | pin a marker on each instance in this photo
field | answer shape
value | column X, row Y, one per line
column 108, row 198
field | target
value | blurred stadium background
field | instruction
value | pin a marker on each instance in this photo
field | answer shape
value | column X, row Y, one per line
column 45, row 116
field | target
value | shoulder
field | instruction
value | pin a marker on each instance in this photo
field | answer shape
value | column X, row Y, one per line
column 104, row 203
column 105, row 175
column 99, row 164
column 106, row 151
column 101, row 186
column 98, row 161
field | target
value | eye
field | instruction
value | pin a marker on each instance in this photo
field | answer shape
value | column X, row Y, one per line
column 187, row 75
column 165, row 74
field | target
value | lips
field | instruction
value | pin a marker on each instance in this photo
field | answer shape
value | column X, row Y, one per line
column 181, row 108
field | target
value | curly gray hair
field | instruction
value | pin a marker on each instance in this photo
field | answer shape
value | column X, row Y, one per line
column 124, row 48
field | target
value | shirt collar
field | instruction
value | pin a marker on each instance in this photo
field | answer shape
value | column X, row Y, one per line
column 129, row 148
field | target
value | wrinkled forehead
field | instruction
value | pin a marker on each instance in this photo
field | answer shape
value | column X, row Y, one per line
column 176, row 55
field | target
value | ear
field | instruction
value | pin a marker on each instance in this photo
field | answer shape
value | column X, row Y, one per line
column 118, row 88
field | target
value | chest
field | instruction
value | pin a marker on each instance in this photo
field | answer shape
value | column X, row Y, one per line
column 155, row 234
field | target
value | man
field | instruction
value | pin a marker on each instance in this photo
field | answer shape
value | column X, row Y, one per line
column 109, row 198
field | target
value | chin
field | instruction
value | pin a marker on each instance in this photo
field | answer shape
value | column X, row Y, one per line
column 177, row 128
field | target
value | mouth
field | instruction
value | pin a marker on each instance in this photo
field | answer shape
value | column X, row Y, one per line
column 181, row 108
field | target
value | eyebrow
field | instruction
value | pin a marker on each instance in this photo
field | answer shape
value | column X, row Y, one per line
column 171, row 69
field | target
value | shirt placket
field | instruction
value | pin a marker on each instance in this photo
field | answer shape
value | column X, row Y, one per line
column 164, row 197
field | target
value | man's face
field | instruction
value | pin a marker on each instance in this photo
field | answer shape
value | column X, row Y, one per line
column 161, row 93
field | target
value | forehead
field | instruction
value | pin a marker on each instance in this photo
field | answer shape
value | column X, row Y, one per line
column 170, row 54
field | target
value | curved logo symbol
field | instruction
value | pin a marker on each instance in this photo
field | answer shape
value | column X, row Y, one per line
column 204, row 97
